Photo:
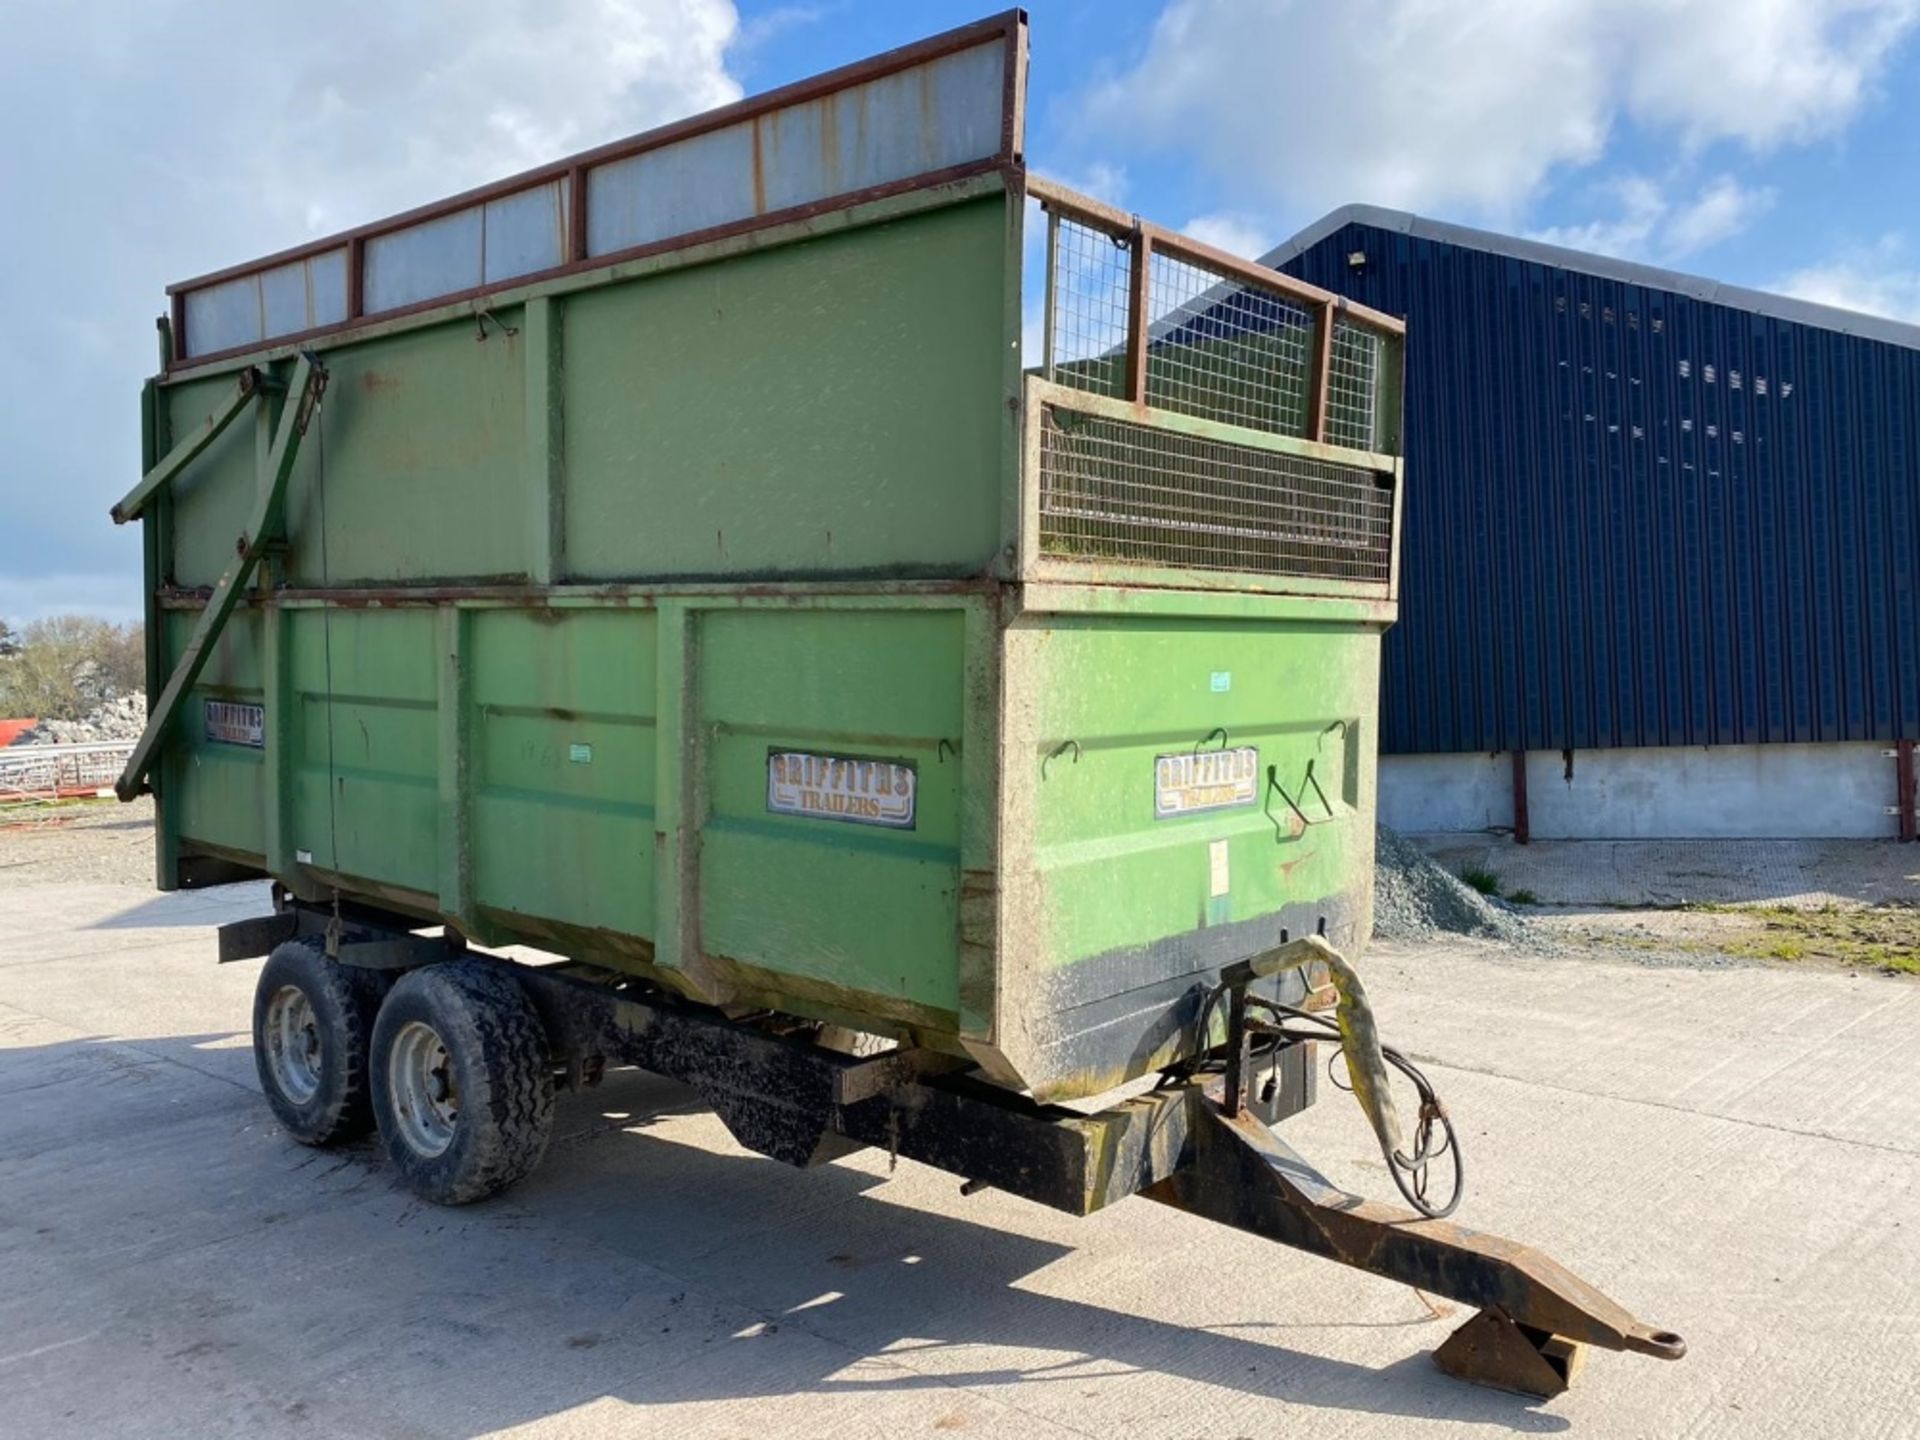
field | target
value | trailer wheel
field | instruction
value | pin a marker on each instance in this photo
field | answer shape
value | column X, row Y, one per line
column 462, row 1081
column 311, row 1020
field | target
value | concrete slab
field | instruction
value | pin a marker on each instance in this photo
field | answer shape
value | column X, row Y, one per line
column 1805, row 874
column 1730, row 1152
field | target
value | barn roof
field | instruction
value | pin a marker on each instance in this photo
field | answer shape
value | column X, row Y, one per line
column 1760, row 302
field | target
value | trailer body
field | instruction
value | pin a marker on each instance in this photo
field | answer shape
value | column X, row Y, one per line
column 728, row 600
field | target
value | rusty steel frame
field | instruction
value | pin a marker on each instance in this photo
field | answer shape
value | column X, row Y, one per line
column 1522, row 818
column 1009, row 27
column 1904, row 788
column 1146, row 238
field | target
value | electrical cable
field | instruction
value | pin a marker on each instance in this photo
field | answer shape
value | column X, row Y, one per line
column 1410, row 1172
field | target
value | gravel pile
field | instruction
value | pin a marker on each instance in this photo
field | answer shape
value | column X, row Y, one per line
column 121, row 718
column 1415, row 899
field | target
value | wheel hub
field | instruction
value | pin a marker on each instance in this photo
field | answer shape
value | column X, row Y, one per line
column 293, row 1044
column 421, row 1085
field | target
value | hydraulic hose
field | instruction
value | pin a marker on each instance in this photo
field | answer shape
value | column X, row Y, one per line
column 1359, row 1033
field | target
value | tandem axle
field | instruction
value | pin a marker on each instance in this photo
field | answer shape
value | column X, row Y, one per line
column 457, row 1056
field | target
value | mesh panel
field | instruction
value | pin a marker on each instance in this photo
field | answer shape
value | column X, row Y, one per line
column 44, row 771
column 1116, row 490
column 1225, row 351
column 1090, row 304
column 1353, row 386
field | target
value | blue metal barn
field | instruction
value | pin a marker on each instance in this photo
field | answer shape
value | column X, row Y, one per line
column 1642, row 509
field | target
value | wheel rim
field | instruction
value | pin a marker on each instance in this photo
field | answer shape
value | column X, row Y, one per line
column 293, row 1044
column 421, row 1085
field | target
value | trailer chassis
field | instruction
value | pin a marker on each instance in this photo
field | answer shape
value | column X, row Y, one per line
column 1200, row 1142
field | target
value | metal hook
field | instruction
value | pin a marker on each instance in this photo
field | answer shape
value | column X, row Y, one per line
column 1273, row 784
column 1339, row 725
column 1219, row 730
column 944, row 748
column 1057, row 751
column 481, row 317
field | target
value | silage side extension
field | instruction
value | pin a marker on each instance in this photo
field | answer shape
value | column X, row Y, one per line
column 667, row 559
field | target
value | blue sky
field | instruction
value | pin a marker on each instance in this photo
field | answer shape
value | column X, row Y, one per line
column 1773, row 143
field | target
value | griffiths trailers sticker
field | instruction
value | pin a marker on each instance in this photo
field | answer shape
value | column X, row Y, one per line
column 232, row 723
column 841, row 787
column 1192, row 782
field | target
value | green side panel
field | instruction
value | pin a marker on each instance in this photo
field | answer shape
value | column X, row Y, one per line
column 1119, row 912
column 384, row 744
column 218, row 785
column 213, row 496
column 826, row 407
column 310, row 738
column 418, row 466
column 562, row 773
column 849, row 910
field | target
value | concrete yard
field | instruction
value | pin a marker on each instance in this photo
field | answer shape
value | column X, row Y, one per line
column 1733, row 1152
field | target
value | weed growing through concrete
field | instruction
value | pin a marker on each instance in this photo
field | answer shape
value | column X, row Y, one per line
column 1485, row 881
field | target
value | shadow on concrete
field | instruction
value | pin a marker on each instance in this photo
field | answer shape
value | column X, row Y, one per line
column 213, row 906
column 620, row 1271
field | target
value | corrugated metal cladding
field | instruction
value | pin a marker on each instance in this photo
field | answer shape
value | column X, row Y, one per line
column 1635, row 517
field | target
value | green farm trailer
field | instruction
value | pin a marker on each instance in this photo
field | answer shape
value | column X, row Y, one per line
column 899, row 639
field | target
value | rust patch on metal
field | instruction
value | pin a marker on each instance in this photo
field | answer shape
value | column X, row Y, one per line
column 1285, row 868
column 759, row 169
column 1490, row 1349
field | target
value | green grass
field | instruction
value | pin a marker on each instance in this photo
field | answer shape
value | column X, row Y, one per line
column 1485, row 881
column 1524, row 897
column 1882, row 937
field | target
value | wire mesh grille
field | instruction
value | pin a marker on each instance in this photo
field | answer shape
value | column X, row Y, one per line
column 1225, row 351
column 1115, row 490
column 1091, row 275
column 1353, row 387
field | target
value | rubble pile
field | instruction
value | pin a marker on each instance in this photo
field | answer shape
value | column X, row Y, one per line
column 121, row 718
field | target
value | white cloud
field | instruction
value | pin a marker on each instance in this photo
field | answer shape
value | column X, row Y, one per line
column 1880, row 279
column 155, row 141
column 1428, row 103
column 1650, row 223
column 1720, row 211
column 1236, row 234
column 1100, row 180
column 389, row 105
column 1641, row 209
column 768, row 26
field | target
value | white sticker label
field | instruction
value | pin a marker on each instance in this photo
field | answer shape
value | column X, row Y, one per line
column 841, row 787
column 1195, row 781
column 232, row 723
column 1219, row 882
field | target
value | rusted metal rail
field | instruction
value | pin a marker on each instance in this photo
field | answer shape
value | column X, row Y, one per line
column 1144, row 242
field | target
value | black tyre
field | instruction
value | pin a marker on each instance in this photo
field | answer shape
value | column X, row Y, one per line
column 462, row 1081
column 312, row 1018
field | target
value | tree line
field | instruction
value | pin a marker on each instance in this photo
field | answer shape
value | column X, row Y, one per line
column 65, row 666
